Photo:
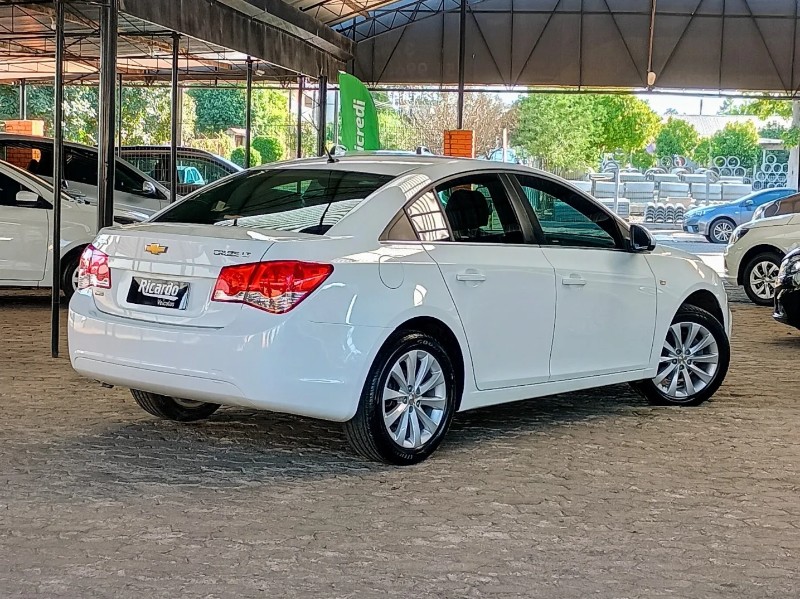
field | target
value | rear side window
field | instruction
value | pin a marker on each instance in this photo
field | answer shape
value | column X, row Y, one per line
column 304, row 200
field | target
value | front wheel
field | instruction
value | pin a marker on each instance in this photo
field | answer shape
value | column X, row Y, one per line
column 720, row 230
column 407, row 403
column 694, row 360
column 173, row 408
column 760, row 277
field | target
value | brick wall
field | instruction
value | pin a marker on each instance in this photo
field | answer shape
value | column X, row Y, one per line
column 22, row 157
column 459, row 143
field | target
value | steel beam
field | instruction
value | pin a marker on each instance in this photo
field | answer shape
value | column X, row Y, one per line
column 300, row 82
column 462, row 52
column 248, row 112
column 106, row 161
column 23, row 100
column 322, row 114
column 58, row 176
column 174, row 120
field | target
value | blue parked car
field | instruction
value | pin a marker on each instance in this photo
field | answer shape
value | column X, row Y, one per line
column 718, row 222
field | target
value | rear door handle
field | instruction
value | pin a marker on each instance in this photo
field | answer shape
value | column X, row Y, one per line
column 574, row 279
column 471, row 275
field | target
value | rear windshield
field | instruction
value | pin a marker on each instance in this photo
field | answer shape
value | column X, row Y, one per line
column 304, row 200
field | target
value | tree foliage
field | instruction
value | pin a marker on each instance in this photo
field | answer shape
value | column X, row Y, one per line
column 573, row 131
column 763, row 108
column 737, row 139
column 676, row 138
column 218, row 108
column 268, row 148
column 237, row 156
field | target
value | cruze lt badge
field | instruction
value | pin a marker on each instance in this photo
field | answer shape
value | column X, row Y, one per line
column 156, row 249
column 232, row 253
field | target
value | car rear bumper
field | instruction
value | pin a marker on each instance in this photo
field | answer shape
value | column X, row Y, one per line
column 297, row 367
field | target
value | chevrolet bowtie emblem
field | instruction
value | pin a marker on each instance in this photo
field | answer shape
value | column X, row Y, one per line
column 156, row 249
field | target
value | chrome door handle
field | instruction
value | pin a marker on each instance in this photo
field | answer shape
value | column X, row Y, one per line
column 470, row 276
column 576, row 280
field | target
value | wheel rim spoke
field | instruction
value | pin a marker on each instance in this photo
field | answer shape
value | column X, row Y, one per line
column 414, row 399
column 689, row 360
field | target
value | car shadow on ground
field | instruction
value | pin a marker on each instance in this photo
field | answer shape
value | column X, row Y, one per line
column 241, row 448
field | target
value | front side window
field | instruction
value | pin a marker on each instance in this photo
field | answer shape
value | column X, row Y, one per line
column 567, row 218
column 198, row 171
column 303, row 200
column 479, row 210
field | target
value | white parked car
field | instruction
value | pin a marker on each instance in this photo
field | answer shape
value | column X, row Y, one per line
column 754, row 254
column 134, row 192
column 388, row 292
column 26, row 226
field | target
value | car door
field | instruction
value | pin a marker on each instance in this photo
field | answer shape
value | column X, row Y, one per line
column 24, row 231
column 605, row 296
column 502, row 285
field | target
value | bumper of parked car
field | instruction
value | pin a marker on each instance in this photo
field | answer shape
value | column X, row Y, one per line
column 787, row 302
column 297, row 367
column 695, row 225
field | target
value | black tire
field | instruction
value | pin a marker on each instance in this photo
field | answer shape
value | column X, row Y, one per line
column 168, row 408
column 714, row 236
column 770, row 257
column 691, row 314
column 366, row 431
column 68, row 268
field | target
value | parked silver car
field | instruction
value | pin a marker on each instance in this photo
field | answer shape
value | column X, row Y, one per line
column 718, row 222
column 134, row 192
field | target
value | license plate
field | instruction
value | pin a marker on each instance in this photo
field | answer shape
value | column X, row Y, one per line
column 158, row 292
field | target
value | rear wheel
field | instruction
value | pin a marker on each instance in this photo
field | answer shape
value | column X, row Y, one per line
column 760, row 276
column 69, row 276
column 693, row 363
column 173, row 408
column 407, row 402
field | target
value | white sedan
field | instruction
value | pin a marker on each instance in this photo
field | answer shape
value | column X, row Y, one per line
column 26, row 231
column 388, row 292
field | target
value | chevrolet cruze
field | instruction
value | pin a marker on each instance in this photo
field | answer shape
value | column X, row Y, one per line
column 389, row 292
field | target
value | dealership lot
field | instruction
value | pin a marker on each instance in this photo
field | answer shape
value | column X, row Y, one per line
column 588, row 494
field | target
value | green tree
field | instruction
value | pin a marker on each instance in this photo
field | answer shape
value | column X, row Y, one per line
column 737, row 139
column 703, row 153
column 268, row 148
column 676, row 138
column 763, row 108
column 237, row 156
column 218, row 108
column 626, row 122
column 559, row 128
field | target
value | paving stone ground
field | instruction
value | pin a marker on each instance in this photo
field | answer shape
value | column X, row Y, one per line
column 591, row 494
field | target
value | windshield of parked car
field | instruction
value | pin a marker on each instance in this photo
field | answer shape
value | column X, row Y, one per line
column 304, row 200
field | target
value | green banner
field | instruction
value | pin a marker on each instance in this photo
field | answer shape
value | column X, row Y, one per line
column 359, row 118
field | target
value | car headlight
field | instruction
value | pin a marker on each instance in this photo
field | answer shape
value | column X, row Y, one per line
column 738, row 233
column 789, row 267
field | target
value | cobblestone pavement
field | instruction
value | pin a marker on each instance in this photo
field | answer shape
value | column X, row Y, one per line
column 583, row 495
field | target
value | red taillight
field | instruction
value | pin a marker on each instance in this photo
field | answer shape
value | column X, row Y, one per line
column 93, row 270
column 276, row 286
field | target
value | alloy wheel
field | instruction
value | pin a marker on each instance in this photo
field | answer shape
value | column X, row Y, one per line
column 763, row 278
column 722, row 231
column 414, row 399
column 689, row 361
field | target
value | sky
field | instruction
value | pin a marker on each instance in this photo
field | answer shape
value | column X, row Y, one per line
column 684, row 104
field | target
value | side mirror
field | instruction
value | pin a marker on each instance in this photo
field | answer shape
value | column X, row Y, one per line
column 27, row 199
column 640, row 240
column 148, row 188
column 748, row 203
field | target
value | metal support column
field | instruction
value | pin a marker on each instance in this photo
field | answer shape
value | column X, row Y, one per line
column 119, row 113
column 462, row 52
column 58, row 176
column 300, row 81
column 322, row 115
column 174, row 119
column 248, row 112
column 23, row 100
column 106, row 160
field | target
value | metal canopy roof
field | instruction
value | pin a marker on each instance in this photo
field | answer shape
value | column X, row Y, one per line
column 207, row 53
column 700, row 44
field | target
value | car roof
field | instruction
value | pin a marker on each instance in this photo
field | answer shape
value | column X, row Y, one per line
column 397, row 164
